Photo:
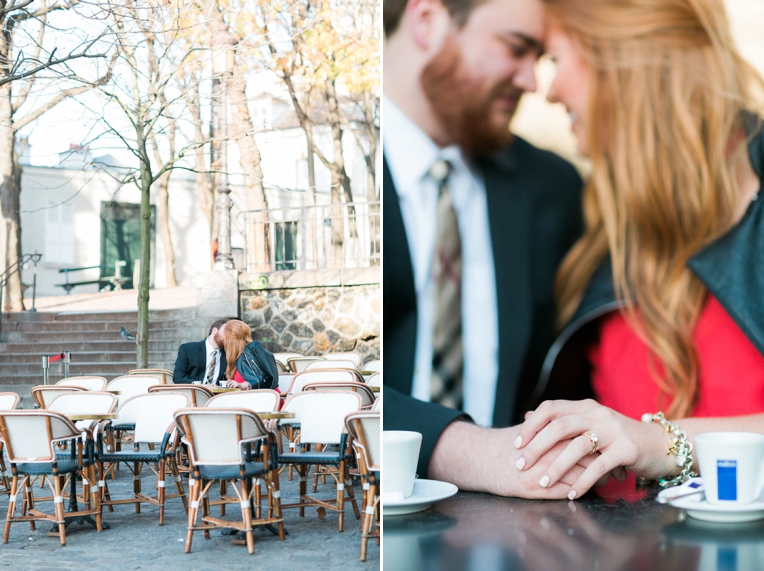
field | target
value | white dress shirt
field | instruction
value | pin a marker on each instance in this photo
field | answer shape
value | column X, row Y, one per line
column 210, row 350
column 410, row 153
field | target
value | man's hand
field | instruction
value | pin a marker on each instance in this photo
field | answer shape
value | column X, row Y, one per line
column 485, row 460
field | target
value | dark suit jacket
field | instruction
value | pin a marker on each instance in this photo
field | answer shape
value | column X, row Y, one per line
column 191, row 364
column 534, row 212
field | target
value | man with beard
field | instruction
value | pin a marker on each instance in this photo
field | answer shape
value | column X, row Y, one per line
column 476, row 222
column 202, row 361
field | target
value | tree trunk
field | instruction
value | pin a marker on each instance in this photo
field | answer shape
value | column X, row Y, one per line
column 10, row 225
column 339, row 174
column 164, row 227
column 142, row 337
column 371, row 180
column 258, row 247
column 311, row 216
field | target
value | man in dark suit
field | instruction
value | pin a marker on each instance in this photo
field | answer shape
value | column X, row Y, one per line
column 203, row 361
column 454, row 72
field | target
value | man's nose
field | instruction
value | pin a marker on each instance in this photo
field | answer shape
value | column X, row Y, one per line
column 525, row 78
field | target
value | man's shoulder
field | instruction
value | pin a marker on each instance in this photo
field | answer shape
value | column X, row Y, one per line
column 523, row 156
column 191, row 345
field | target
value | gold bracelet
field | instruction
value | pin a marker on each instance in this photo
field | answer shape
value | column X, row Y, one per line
column 678, row 445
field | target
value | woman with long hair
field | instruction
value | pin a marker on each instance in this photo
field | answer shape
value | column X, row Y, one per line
column 661, row 297
column 250, row 365
column 237, row 335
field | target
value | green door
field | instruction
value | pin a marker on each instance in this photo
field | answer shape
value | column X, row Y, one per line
column 121, row 237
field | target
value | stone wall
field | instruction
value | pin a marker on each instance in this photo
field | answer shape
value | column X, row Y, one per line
column 314, row 312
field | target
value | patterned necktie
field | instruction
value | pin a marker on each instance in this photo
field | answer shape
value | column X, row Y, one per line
column 211, row 368
column 447, row 350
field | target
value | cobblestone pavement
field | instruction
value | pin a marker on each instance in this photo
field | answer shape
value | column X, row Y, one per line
column 136, row 541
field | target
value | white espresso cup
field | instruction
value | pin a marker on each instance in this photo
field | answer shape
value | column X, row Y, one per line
column 732, row 466
column 400, row 449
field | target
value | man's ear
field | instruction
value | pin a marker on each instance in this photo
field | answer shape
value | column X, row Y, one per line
column 427, row 22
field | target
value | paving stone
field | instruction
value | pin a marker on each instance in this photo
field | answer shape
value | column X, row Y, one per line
column 136, row 541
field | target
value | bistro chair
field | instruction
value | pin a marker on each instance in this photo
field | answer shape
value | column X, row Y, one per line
column 367, row 395
column 129, row 386
column 152, row 414
column 355, row 358
column 89, row 402
column 220, row 444
column 377, row 406
column 285, row 381
column 8, row 401
column 284, row 357
column 257, row 401
column 30, row 437
column 197, row 394
column 43, row 395
column 364, row 429
column 375, row 380
column 330, row 364
column 321, row 415
column 89, row 383
column 298, row 364
column 329, row 375
column 373, row 366
column 163, row 374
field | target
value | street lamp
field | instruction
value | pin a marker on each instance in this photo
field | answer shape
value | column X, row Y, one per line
column 223, row 45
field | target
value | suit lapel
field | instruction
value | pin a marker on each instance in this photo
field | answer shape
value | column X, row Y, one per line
column 399, row 294
column 509, row 216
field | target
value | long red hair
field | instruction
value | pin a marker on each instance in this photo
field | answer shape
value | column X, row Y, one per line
column 669, row 93
column 237, row 335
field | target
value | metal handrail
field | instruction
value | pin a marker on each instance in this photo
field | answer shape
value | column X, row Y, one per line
column 12, row 269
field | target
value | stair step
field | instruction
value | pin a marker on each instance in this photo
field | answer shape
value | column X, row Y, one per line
column 85, row 357
column 58, row 326
column 69, row 316
column 61, row 337
column 48, row 348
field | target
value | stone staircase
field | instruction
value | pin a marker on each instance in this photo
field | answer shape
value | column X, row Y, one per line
column 94, row 340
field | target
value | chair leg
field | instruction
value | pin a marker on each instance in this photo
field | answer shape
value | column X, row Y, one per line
column 194, row 493
column 179, row 484
column 160, row 491
column 246, row 515
column 341, row 499
column 302, row 472
column 11, row 507
column 223, row 492
column 137, row 485
column 368, row 520
column 276, row 495
column 58, row 503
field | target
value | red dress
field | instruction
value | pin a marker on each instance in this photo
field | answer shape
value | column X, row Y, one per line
column 731, row 370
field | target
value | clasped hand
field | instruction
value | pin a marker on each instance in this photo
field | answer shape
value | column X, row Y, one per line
column 624, row 443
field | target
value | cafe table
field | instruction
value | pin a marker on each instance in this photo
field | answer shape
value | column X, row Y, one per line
column 617, row 527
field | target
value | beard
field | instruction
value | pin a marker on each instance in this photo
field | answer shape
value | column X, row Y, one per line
column 465, row 107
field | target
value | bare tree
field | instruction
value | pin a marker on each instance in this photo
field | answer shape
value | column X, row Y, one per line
column 151, row 42
column 24, row 55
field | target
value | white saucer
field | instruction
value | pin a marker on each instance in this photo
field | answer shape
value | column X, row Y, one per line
column 426, row 492
column 702, row 510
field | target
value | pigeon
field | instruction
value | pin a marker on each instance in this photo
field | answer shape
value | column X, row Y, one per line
column 126, row 334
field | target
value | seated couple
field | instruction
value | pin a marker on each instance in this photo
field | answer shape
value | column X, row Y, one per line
column 660, row 319
column 229, row 357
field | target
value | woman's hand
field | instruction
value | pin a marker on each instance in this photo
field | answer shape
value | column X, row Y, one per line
column 623, row 443
column 231, row 384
